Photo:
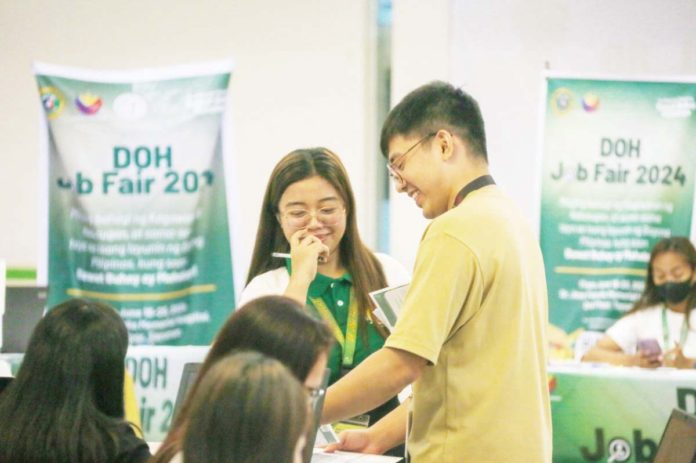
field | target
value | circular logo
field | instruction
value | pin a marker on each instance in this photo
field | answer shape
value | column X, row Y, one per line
column 562, row 100
column 130, row 106
column 619, row 450
column 590, row 102
column 52, row 101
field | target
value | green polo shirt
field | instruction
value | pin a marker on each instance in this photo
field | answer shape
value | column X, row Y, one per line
column 335, row 292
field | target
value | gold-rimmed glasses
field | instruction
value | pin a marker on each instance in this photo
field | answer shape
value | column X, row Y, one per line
column 300, row 217
column 396, row 165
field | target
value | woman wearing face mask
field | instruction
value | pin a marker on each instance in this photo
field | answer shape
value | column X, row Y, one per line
column 663, row 315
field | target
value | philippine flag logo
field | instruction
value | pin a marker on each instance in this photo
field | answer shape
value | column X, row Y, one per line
column 590, row 102
column 88, row 103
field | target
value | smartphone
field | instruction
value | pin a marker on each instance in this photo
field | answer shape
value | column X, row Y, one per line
column 649, row 346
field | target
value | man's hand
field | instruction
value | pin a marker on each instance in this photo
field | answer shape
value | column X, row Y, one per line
column 356, row 440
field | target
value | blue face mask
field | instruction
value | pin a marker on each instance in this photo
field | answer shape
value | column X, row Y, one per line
column 674, row 293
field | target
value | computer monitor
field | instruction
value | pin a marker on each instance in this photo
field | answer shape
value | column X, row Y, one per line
column 678, row 443
column 24, row 307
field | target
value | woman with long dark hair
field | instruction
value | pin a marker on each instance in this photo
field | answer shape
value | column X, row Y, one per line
column 248, row 408
column 275, row 326
column 308, row 211
column 66, row 403
column 659, row 329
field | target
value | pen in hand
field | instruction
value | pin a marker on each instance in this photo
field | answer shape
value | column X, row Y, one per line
column 285, row 255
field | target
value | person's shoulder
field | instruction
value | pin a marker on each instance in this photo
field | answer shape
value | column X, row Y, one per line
column 269, row 283
column 131, row 448
column 648, row 314
column 394, row 271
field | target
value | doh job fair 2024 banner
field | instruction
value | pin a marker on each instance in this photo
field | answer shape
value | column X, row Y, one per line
column 136, row 196
column 618, row 175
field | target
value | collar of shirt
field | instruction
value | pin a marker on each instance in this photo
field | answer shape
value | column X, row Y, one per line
column 322, row 282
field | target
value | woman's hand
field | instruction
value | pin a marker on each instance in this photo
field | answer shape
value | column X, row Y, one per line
column 306, row 251
column 675, row 358
column 644, row 359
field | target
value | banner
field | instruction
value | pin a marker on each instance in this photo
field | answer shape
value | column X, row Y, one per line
column 137, row 206
column 156, row 373
column 605, row 414
column 617, row 176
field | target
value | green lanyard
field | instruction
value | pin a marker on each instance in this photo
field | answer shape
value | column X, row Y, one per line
column 665, row 331
column 349, row 341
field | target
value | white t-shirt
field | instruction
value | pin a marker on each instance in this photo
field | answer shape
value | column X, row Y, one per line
column 274, row 282
column 647, row 323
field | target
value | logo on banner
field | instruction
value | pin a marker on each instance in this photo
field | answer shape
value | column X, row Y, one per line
column 52, row 101
column 562, row 100
column 88, row 103
column 590, row 102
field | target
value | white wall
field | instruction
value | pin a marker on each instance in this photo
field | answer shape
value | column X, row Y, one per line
column 498, row 50
column 302, row 78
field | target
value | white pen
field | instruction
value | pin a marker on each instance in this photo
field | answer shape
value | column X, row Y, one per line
column 285, row 255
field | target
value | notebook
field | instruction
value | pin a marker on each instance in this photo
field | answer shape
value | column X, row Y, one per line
column 678, row 443
column 24, row 307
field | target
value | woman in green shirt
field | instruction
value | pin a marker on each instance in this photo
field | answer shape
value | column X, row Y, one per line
column 308, row 213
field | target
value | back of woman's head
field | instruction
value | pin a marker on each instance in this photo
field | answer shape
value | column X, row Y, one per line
column 68, row 392
column 248, row 408
column 278, row 327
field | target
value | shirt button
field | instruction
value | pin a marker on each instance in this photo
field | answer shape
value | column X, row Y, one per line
column 332, row 285
column 339, row 303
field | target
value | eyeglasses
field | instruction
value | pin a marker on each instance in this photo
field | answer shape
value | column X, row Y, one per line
column 301, row 218
column 396, row 165
column 314, row 393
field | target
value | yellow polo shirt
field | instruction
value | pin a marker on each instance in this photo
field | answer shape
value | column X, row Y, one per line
column 477, row 311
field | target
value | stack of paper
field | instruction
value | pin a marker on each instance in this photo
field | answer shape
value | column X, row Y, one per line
column 389, row 303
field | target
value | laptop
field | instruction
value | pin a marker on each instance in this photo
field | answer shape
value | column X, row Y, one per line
column 678, row 443
column 24, row 307
column 317, row 407
column 188, row 377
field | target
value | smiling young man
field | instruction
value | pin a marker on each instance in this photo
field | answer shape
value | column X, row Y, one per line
column 472, row 333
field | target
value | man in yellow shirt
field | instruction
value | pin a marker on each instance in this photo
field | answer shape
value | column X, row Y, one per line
column 471, row 336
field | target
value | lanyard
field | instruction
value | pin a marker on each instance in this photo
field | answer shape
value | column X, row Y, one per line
column 665, row 331
column 349, row 341
column 474, row 185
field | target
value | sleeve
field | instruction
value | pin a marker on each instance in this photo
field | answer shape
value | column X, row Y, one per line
column 624, row 333
column 271, row 283
column 132, row 448
column 395, row 273
column 445, row 292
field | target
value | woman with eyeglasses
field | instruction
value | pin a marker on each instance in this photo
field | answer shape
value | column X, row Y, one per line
column 308, row 211
column 275, row 326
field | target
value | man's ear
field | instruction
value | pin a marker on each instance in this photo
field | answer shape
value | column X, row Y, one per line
column 445, row 143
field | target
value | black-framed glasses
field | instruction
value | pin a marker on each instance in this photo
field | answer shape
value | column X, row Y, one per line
column 396, row 165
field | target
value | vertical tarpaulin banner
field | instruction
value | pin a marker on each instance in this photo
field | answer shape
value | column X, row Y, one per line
column 617, row 176
column 136, row 191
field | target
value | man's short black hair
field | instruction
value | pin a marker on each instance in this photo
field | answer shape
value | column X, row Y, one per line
column 434, row 106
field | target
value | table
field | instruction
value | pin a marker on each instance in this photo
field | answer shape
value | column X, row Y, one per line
column 602, row 413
